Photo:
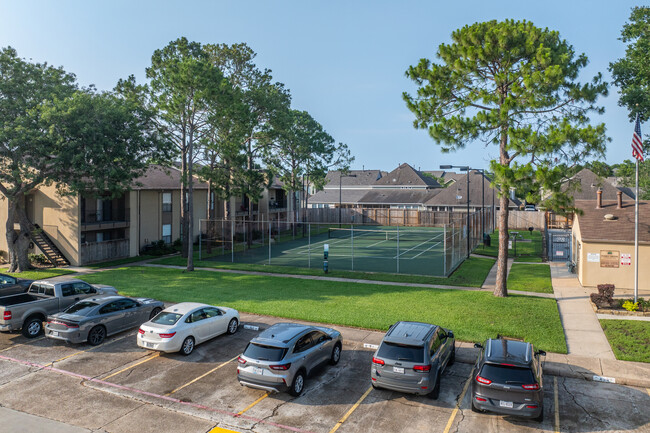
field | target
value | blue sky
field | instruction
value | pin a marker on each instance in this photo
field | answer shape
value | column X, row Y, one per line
column 343, row 61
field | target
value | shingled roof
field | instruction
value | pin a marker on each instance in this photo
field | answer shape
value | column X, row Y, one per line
column 585, row 183
column 407, row 176
column 448, row 196
column 595, row 228
column 398, row 196
column 352, row 178
column 161, row 177
column 331, row 196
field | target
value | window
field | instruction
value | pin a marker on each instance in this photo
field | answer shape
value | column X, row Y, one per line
column 111, row 307
column 212, row 312
column 436, row 342
column 303, row 343
column 165, row 318
column 167, row 202
column 81, row 308
column 507, row 374
column 401, row 352
column 167, row 233
column 67, row 290
column 197, row 316
column 212, row 200
column 83, row 289
column 126, row 304
column 6, row 279
column 318, row 337
column 264, row 353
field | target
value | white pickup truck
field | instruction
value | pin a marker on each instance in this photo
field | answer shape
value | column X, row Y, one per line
column 27, row 311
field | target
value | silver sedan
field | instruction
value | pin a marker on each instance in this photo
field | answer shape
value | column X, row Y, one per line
column 94, row 319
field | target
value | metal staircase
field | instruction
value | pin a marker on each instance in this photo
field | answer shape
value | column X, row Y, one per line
column 45, row 244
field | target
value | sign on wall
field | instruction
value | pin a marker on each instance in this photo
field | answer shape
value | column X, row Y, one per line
column 609, row 259
column 593, row 257
column 626, row 259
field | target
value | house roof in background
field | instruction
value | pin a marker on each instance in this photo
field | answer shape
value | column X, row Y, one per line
column 160, row 177
column 586, row 183
column 594, row 227
column 352, row 178
column 448, row 196
column 398, row 196
column 331, row 196
column 405, row 175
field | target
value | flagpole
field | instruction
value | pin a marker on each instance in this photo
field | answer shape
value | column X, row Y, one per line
column 636, row 236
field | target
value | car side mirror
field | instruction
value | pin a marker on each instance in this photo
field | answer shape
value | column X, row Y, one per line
column 540, row 352
column 450, row 334
column 478, row 345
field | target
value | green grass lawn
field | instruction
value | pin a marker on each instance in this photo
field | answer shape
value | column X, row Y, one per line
column 472, row 315
column 40, row 274
column 471, row 273
column 526, row 251
column 630, row 339
column 530, row 278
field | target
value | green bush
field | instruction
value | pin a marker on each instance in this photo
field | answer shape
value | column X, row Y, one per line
column 631, row 306
column 38, row 258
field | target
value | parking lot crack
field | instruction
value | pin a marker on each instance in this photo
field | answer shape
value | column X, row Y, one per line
column 575, row 401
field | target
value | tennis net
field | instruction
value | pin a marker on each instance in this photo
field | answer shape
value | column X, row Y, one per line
column 382, row 235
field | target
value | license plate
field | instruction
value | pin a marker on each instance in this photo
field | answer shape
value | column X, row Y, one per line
column 258, row 370
column 149, row 345
column 505, row 404
column 398, row 370
column 54, row 333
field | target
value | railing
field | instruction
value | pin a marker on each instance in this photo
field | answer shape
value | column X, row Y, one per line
column 98, row 251
column 97, row 217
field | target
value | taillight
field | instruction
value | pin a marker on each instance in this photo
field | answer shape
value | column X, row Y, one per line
column 7, row 315
column 422, row 367
column 378, row 361
column 67, row 325
column 531, row 387
column 241, row 360
column 280, row 367
column 141, row 331
column 531, row 406
column 480, row 399
column 508, row 365
column 483, row 380
column 167, row 335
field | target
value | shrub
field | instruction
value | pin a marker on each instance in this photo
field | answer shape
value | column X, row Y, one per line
column 604, row 297
column 38, row 258
column 631, row 306
column 158, row 248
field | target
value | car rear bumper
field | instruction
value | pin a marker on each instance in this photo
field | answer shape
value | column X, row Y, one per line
column 518, row 409
column 70, row 336
column 168, row 346
column 420, row 388
column 250, row 382
column 5, row 328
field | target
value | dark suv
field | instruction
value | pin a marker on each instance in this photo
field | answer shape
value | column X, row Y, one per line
column 509, row 379
column 412, row 357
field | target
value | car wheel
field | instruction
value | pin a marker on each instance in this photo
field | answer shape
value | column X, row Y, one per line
column 154, row 312
column 298, row 384
column 436, row 389
column 452, row 357
column 33, row 327
column 336, row 354
column 188, row 346
column 96, row 335
column 233, row 326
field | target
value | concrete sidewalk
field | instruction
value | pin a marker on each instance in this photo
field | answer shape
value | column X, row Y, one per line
column 584, row 335
column 556, row 364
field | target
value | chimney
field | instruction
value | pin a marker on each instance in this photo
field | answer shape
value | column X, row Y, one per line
column 599, row 199
column 619, row 199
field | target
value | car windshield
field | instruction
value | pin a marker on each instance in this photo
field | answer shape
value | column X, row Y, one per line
column 401, row 352
column 166, row 318
column 507, row 374
column 264, row 353
column 81, row 308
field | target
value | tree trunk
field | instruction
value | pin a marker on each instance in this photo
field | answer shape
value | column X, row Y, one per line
column 190, row 205
column 212, row 209
column 184, row 233
column 501, row 288
column 17, row 243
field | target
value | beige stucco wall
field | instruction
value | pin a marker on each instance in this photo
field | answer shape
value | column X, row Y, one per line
column 591, row 273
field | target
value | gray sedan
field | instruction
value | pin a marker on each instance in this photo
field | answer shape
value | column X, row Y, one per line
column 94, row 319
column 281, row 357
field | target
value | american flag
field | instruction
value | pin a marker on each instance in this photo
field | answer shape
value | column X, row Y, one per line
column 637, row 141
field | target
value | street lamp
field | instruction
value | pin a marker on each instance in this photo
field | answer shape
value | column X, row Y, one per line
column 462, row 168
column 341, row 175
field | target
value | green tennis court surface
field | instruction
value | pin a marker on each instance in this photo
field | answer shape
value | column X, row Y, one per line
column 408, row 250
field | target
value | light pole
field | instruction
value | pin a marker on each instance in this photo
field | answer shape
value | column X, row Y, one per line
column 341, row 176
column 462, row 168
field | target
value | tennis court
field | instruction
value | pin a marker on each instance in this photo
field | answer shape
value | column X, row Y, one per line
column 391, row 249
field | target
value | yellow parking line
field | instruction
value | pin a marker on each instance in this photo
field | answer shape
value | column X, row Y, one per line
column 352, row 409
column 91, row 348
column 156, row 355
column 203, row 375
column 222, row 430
column 648, row 389
column 557, row 405
column 21, row 344
column 253, row 403
column 459, row 402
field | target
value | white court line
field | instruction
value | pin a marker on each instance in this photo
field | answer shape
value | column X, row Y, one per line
column 422, row 243
column 433, row 246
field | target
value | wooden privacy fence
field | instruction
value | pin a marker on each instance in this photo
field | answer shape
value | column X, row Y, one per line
column 521, row 220
column 388, row 217
column 97, row 251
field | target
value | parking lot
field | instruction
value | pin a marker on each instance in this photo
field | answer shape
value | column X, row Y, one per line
column 118, row 387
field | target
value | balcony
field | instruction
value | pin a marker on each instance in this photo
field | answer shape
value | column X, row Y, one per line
column 92, row 252
column 277, row 206
column 93, row 220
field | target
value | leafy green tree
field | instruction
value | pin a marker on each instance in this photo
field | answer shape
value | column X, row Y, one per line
column 185, row 87
column 627, row 172
column 513, row 85
column 55, row 133
column 601, row 169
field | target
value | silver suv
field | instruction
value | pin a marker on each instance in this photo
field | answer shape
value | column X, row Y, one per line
column 283, row 356
column 412, row 357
